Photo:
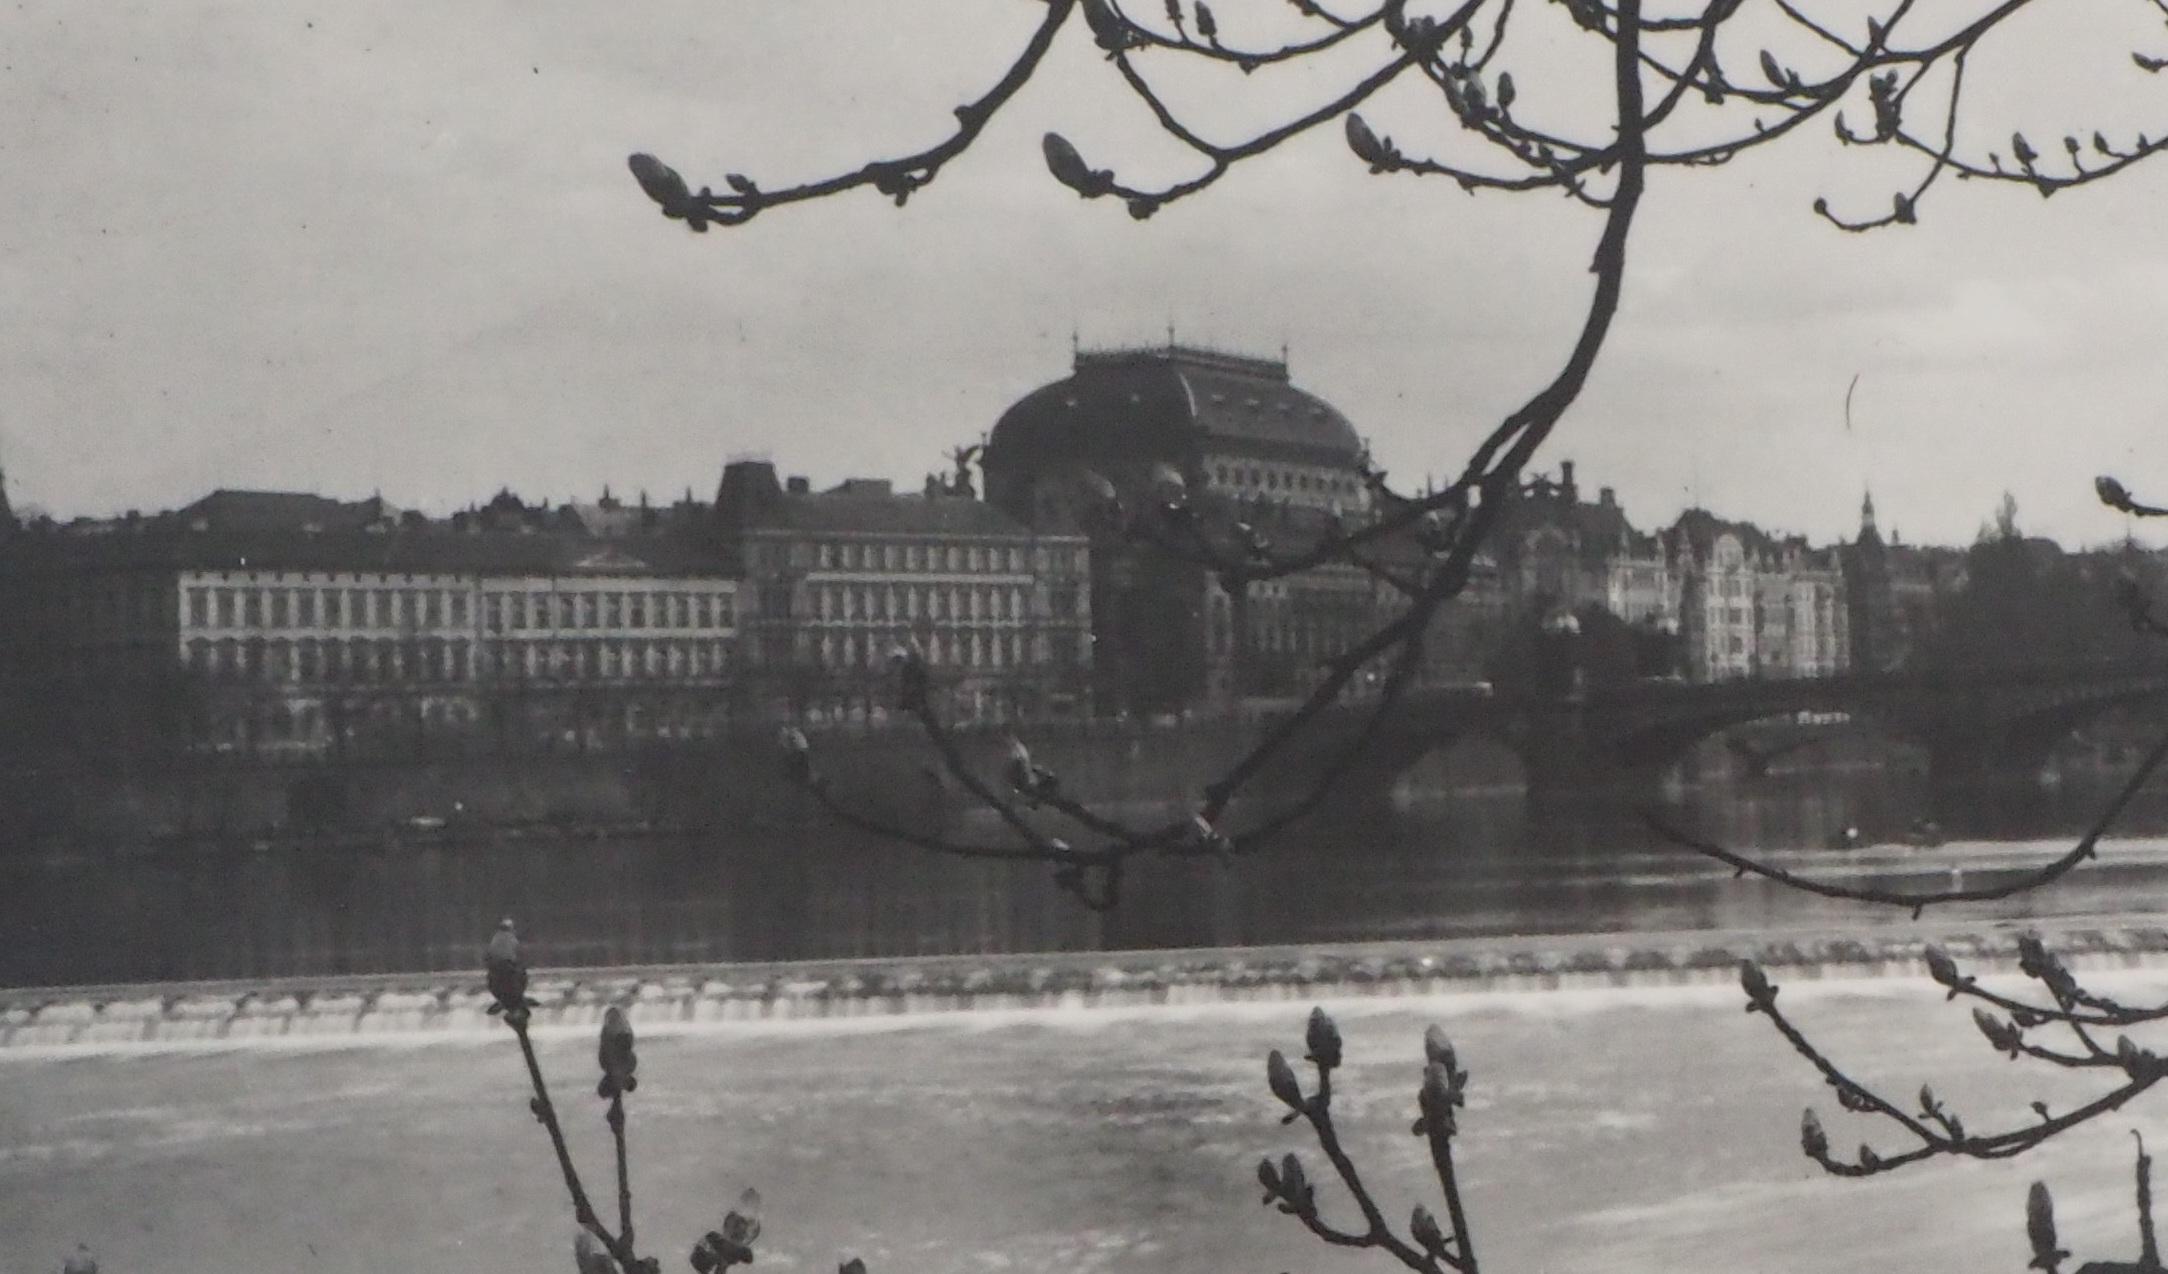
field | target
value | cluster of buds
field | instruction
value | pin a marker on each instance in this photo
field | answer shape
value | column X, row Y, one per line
column 1888, row 108
column 1445, row 1086
column 1931, row 1108
column 507, row 972
column 2002, row 1034
column 2035, row 961
column 1944, row 970
column 732, row 1243
column 1287, row 1185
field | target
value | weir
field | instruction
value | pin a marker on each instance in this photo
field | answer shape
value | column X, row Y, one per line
column 662, row 999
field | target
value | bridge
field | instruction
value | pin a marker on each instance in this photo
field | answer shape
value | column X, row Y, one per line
column 1974, row 724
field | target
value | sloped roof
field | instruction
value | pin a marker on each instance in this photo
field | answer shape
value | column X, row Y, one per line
column 857, row 511
column 174, row 543
column 239, row 510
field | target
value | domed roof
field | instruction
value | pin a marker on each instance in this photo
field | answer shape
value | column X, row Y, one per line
column 1142, row 400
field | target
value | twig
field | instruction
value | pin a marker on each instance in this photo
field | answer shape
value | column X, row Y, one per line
column 2086, row 847
column 545, row 1111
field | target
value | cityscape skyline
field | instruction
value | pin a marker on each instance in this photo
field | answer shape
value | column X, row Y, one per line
column 322, row 252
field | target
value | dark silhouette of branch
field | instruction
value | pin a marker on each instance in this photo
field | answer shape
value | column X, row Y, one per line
column 1937, row 1129
column 1426, row 1248
column 2047, row 1253
column 597, row 1250
column 896, row 178
column 2087, row 847
column 2113, row 494
column 1449, row 525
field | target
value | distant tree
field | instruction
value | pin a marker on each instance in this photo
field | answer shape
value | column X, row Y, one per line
column 2028, row 603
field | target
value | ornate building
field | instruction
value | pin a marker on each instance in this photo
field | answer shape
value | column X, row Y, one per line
column 1248, row 446
column 1754, row 605
column 835, row 580
column 1558, row 552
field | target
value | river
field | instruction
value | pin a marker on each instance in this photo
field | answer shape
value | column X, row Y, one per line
column 1629, row 1122
column 1471, row 865
column 1635, row 1128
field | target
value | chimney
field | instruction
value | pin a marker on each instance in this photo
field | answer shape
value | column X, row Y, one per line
column 797, row 484
column 1606, row 497
column 1566, row 490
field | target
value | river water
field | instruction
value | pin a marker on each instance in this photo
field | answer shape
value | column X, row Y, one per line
column 1470, row 865
column 1644, row 1126
column 1640, row 1128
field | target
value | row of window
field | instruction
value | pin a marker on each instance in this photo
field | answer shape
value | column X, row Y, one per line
column 383, row 660
column 849, row 602
column 954, row 558
column 401, row 609
column 972, row 650
column 512, row 612
column 606, row 660
column 414, row 609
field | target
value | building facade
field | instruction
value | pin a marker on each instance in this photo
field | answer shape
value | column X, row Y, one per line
column 834, row 581
column 1248, row 446
column 1753, row 605
column 268, row 621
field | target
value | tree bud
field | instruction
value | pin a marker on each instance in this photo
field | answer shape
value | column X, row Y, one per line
column 1323, row 1039
column 1425, row 1229
column 1281, row 1078
column 1811, row 1137
column 615, row 1053
column 1437, row 1049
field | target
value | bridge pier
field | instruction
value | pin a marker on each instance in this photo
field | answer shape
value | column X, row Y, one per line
column 1569, row 761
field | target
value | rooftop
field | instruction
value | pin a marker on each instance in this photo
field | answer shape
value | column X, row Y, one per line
column 1174, row 398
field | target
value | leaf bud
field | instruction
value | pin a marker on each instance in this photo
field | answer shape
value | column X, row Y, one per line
column 1812, row 1139
column 1941, row 967
column 1281, row 1078
column 615, row 1053
column 2040, row 1228
column 1323, row 1039
column 1070, row 169
column 1437, row 1049
column 1760, row 992
column 1425, row 1229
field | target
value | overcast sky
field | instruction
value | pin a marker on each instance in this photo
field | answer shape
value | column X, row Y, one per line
column 393, row 246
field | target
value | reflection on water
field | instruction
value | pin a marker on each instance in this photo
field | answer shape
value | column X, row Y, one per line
column 1469, row 865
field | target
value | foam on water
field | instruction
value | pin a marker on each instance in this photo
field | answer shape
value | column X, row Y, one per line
column 1540, row 976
